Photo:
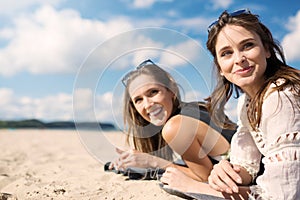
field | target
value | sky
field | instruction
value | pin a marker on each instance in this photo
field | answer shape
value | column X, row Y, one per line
column 64, row 60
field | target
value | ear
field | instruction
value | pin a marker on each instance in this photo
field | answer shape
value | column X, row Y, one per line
column 268, row 54
column 174, row 97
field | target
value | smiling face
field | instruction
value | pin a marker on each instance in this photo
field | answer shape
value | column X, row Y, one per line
column 153, row 101
column 241, row 57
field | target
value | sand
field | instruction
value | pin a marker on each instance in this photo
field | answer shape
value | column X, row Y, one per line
column 62, row 164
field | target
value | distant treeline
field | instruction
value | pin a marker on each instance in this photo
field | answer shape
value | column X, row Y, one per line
column 34, row 123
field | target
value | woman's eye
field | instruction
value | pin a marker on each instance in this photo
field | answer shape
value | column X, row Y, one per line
column 226, row 53
column 248, row 45
column 137, row 100
column 153, row 92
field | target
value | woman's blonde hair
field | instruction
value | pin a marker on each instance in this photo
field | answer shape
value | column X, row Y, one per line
column 147, row 137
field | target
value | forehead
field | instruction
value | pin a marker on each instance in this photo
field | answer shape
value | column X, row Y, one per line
column 141, row 84
column 232, row 34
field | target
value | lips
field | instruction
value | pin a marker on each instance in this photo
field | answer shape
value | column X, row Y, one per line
column 155, row 111
column 157, row 115
column 244, row 70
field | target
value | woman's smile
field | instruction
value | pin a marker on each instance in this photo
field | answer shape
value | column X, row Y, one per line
column 155, row 110
column 158, row 115
column 244, row 71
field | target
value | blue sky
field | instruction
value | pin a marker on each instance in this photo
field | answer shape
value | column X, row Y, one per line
column 59, row 52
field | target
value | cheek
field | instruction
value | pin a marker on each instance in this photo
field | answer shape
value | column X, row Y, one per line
column 138, row 108
column 169, row 105
column 225, row 66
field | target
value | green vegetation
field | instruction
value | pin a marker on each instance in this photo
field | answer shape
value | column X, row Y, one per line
column 34, row 123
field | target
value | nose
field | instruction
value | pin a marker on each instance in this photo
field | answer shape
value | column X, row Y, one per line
column 148, row 103
column 240, row 58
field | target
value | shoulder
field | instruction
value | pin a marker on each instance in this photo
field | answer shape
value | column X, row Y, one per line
column 179, row 125
column 173, row 123
column 181, row 122
column 273, row 89
column 284, row 96
column 178, row 121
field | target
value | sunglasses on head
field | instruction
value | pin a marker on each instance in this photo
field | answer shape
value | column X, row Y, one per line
column 140, row 66
column 232, row 14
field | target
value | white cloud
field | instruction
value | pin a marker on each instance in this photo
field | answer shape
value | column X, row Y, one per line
column 182, row 52
column 15, row 6
column 6, row 96
column 292, row 40
column 56, row 107
column 143, row 3
column 146, row 3
column 88, row 106
column 50, row 41
column 196, row 24
column 221, row 4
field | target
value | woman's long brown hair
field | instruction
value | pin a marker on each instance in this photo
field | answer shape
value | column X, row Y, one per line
column 276, row 68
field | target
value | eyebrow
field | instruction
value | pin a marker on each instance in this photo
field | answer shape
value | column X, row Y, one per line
column 241, row 42
column 145, row 92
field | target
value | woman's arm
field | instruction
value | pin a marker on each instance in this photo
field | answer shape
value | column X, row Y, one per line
column 244, row 157
column 194, row 140
column 176, row 179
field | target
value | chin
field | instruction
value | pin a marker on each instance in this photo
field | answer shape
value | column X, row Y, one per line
column 159, row 122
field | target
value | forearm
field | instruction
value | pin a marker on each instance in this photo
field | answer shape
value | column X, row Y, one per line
column 188, row 171
column 157, row 162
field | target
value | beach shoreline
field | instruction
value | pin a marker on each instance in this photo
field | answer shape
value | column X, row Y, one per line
column 57, row 164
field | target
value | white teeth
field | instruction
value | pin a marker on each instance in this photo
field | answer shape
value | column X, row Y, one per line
column 155, row 112
column 157, row 115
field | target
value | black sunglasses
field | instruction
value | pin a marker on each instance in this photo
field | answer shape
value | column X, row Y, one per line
column 140, row 66
column 233, row 14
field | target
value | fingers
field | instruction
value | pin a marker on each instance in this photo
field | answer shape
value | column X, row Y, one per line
column 224, row 177
column 227, row 169
column 167, row 175
column 221, row 182
column 126, row 159
column 111, row 166
column 119, row 151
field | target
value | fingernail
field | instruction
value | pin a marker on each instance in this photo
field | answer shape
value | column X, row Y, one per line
column 239, row 180
column 235, row 189
column 228, row 191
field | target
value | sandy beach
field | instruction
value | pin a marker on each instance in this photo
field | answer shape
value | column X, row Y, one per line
column 60, row 164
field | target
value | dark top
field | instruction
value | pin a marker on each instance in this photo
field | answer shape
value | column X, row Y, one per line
column 195, row 111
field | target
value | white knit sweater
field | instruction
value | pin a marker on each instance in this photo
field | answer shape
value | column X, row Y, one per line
column 278, row 139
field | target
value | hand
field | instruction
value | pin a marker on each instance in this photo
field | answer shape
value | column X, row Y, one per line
column 224, row 177
column 176, row 179
column 131, row 158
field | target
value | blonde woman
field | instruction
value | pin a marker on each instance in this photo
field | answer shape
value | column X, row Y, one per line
column 163, row 126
